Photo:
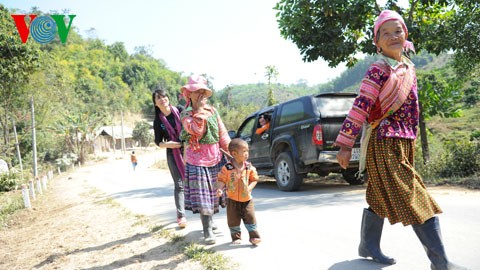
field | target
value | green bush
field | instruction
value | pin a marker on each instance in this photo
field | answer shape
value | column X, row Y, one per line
column 457, row 159
column 9, row 180
column 66, row 161
column 462, row 159
column 9, row 203
column 141, row 133
column 475, row 135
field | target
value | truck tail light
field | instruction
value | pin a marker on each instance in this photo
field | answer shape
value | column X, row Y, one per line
column 317, row 136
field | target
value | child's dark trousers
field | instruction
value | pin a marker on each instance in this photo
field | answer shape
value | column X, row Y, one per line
column 238, row 211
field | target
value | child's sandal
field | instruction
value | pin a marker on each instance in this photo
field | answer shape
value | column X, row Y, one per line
column 255, row 241
column 236, row 242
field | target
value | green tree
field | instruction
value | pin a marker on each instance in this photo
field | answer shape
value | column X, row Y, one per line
column 271, row 73
column 141, row 133
column 17, row 62
column 118, row 51
column 439, row 95
column 77, row 129
column 76, row 86
column 338, row 31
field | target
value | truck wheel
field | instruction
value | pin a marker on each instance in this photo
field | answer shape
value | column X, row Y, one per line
column 285, row 174
column 350, row 175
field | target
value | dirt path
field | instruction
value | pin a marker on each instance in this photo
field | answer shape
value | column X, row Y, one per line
column 74, row 226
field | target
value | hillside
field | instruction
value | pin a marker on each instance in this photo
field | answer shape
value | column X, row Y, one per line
column 461, row 128
column 347, row 81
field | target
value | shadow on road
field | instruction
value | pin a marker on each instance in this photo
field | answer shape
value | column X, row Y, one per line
column 143, row 193
column 358, row 264
column 268, row 196
column 108, row 245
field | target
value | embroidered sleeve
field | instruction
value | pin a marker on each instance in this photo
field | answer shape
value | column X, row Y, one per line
column 252, row 176
column 362, row 105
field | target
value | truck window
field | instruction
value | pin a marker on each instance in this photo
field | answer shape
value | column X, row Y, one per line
column 291, row 112
column 334, row 106
column 247, row 129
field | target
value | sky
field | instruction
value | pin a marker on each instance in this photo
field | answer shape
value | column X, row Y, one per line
column 231, row 41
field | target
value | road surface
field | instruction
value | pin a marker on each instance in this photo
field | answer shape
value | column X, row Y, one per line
column 315, row 228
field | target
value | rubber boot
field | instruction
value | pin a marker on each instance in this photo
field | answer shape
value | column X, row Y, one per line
column 207, row 229
column 431, row 237
column 371, row 233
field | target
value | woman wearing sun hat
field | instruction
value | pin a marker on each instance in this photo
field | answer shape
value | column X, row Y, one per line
column 204, row 134
column 388, row 102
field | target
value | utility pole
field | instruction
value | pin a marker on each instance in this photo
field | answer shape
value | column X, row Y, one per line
column 123, row 136
column 19, row 156
column 113, row 136
column 34, row 140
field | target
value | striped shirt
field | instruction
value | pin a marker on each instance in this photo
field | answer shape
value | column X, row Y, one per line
column 366, row 107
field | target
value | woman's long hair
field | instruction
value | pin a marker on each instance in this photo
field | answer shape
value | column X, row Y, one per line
column 158, row 92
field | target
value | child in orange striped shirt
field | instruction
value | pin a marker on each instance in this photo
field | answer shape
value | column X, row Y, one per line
column 239, row 177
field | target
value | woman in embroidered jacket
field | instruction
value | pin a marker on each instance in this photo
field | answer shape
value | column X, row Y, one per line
column 388, row 102
column 167, row 127
column 205, row 136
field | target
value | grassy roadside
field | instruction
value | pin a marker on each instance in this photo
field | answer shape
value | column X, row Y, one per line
column 176, row 244
column 10, row 202
column 209, row 259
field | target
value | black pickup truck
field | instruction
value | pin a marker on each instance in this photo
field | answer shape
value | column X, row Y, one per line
column 300, row 139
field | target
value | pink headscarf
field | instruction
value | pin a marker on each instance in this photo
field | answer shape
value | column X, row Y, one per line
column 389, row 15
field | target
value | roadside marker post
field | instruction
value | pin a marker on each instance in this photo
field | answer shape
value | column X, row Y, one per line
column 26, row 198
column 44, row 182
column 39, row 185
column 31, row 189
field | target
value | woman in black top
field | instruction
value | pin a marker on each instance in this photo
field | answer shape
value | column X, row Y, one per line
column 167, row 127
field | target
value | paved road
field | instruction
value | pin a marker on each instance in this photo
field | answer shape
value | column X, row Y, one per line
column 315, row 228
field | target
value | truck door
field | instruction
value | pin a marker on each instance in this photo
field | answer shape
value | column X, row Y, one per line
column 260, row 144
column 296, row 123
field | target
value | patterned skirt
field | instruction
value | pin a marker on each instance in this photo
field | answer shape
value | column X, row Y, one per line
column 199, row 188
column 395, row 190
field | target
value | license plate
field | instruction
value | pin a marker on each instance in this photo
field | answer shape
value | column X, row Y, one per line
column 355, row 154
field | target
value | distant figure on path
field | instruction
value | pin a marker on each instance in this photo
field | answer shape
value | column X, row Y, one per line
column 133, row 159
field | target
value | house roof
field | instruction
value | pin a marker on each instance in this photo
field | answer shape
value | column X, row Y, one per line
column 114, row 131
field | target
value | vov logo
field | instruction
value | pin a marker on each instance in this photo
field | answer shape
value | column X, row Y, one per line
column 43, row 28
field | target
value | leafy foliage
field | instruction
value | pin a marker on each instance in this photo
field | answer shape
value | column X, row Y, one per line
column 339, row 30
column 83, row 84
column 66, row 161
column 17, row 62
column 8, row 181
column 142, row 134
column 76, row 87
column 440, row 93
column 460, row 158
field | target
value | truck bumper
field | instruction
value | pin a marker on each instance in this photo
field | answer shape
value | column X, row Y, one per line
column 331, row 156
column 328, row 157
